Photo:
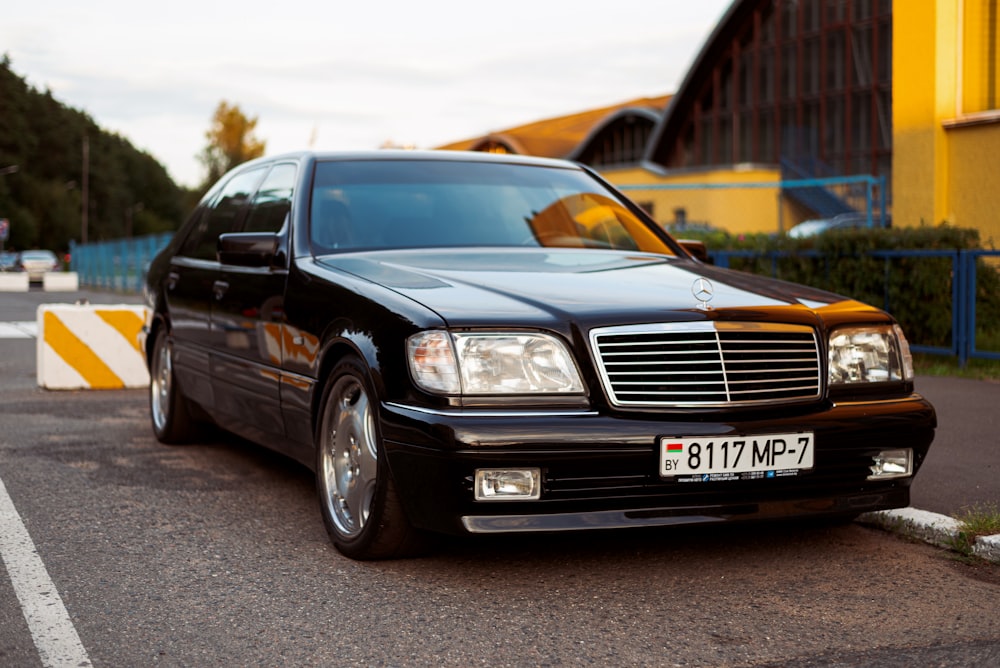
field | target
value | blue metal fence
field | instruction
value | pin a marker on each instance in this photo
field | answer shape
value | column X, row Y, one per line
column 119, row 265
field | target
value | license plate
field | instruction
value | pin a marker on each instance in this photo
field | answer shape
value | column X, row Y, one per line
column 762, row 453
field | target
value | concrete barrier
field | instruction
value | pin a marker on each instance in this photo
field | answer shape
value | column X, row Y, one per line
column 90, row 347
column 13, row 281
column 60, row 281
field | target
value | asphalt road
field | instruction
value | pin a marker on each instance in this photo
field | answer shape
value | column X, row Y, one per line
column 215, row 554
column 962, row 469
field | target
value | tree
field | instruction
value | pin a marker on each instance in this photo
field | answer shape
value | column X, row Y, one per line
column 230, row 142
column 128, row 191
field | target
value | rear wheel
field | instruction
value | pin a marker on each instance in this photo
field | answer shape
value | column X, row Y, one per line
column 361, row 508
column 172, row 422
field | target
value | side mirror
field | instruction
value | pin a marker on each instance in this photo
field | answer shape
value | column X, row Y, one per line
column 248, row 249
column 697, row 249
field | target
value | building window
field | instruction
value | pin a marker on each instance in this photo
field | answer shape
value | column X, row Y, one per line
column 980, row 56
column 496, row 147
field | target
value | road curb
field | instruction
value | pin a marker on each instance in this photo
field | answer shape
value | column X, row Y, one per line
column 932, row 528
column 988, row 547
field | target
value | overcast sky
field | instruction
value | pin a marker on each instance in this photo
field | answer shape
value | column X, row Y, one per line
column 346, row 75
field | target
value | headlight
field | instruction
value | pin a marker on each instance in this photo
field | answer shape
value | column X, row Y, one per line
column 869, row 355
column 492, row 363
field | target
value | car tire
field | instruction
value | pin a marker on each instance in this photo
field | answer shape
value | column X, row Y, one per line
column 168, row 408
column 361, row 508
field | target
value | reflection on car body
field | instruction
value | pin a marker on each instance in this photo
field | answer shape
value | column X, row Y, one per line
column 475, row 343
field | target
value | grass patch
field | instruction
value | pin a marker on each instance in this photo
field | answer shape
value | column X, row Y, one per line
column 942, row 365
column 983, row 520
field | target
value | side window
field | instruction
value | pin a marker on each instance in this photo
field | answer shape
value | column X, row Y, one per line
column 273, row 200
column 221, row 215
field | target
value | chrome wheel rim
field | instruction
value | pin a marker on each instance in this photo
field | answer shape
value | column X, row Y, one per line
column 349, row 466
column 159, row 384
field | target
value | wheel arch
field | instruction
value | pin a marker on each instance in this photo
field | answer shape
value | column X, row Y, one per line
column 339, row 346
column 157, row 322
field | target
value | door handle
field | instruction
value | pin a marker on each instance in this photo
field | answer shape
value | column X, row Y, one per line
column 172, row 279
column 219, row 289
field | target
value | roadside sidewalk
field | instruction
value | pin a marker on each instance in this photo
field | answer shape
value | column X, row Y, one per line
column 932, row 528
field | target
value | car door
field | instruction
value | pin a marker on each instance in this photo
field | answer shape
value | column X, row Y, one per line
column 247, row 314
column 192, row 281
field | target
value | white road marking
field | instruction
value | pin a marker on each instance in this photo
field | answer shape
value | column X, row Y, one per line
column 51, row 629
column 19, row 330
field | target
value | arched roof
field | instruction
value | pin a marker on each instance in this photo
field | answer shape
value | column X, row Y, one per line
column 618, row 123
column 683, row 100
column 804, row 84
column 561, row 136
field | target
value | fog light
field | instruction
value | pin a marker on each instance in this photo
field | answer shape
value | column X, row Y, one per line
column 892, row 464
column 508, row 484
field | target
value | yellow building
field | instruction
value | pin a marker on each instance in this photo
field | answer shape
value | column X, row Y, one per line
column 947, row 114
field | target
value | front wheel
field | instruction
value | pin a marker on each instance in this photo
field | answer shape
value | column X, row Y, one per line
column 358, row 500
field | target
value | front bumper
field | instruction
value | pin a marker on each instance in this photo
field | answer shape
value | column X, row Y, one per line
column 842, row 505
column 601, row 471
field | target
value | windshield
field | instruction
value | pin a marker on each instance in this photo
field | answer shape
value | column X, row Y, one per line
column 434, row 203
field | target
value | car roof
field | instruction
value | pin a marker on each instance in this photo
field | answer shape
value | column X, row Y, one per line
column 31, row 254
column 405, row 155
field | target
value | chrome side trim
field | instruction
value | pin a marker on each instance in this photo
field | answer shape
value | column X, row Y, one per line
column 481, row 413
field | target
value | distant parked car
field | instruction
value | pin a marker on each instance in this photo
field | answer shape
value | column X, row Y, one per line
column 8, row 261
column 680, row 229
column 37, row 263
column 811, row 228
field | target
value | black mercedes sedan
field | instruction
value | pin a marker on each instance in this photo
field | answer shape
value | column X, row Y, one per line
column 471, row 343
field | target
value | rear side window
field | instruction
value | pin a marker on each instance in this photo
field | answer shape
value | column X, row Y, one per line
column 222, row 215
column 273, row 200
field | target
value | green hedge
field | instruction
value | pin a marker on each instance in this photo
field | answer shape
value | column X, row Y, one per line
column 917, row 291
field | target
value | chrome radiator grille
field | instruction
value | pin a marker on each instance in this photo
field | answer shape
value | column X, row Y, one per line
column 707, row 364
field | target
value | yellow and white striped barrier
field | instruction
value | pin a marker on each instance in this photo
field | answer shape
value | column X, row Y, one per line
column 90, row 347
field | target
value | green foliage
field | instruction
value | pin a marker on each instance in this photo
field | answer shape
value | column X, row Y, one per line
column 231, row 142
column 977, row 521
column 129, row 191
column 916, row 290
column 975, row 368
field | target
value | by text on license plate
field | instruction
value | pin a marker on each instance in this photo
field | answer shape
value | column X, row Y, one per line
column 736, row 457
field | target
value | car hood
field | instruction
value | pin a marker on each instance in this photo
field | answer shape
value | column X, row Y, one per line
column 478, row 286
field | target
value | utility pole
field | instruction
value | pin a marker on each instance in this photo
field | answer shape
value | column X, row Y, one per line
column 85, row 196
column 4, row 223
column 130, row 215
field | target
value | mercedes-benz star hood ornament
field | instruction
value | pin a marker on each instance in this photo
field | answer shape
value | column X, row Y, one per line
column 703, row 292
